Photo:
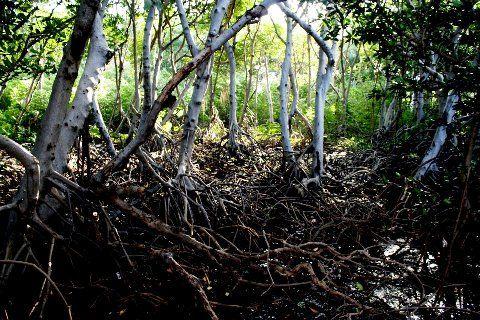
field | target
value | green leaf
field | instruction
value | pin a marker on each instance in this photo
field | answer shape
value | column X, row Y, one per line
column 359, row 286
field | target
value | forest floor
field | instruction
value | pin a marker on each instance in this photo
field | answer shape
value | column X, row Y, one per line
column 370, row 243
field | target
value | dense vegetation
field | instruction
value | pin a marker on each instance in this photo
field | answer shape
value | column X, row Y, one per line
column 239, row 159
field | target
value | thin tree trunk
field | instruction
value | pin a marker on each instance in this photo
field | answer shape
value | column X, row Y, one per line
column 324, row 75
column 158, row 60
column 233, row 124
column 97, row 115
column 324, row 79
column 136, row 104
column 309, row 88
column 248, row 87
column 294, row 88
column 288, row 155
column 200, row 87
column 147, row 80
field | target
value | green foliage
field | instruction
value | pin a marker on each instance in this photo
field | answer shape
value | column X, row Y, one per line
column 31, row 35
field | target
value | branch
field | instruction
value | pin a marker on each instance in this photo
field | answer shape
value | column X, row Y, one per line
column 308, row 28
column 32, row 172
column 186, row 28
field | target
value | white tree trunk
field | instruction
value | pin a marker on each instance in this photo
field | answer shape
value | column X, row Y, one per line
column 429, row 160
column 158, row 60
column 199, row 90
column 418, row 103
column 233, row 123
column 186, row 28
column 324, row 78
column 147, row 79
column 389, row 113
column 47, row 140
column 288, row 155
column 98, row 56
column 293, row 86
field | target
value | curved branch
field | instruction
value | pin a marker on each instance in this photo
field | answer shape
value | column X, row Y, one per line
column 32, row 172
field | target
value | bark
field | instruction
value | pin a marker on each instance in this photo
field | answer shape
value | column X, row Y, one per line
column 97, row 115
column 52, row 123
column 233, row 124
column 429, row 160
column 98, row 56
column 418, row 102
column 288, row 155
column 294, row 88
column 147, row 79
column 192, row 46
column 136, row 99
column 199, row 90
column 388, row 115
column 324, row 76
column 294, row 109
column 166, row 100
column 309, row 88
column 158, row 60
column 32, row 175
column 418, row 97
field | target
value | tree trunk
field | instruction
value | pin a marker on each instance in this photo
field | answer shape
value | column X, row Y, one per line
column 200, row 87
column 293, row 86
column 429, row 160
column 233, row 124
column 52, row 123
column 97, row 115
column 158, row 60
column 324, row 78
column 98, row 56
column 288, row 155
column 324, row 75
column 147, row 80
column 249, row 74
